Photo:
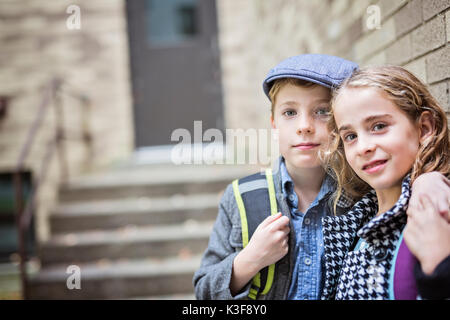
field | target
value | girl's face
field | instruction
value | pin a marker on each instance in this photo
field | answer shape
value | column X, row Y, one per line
column 380, row 140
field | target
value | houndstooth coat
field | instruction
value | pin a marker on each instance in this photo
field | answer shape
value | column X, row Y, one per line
column 363, row 274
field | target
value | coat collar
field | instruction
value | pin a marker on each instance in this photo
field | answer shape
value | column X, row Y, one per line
column 376, row 227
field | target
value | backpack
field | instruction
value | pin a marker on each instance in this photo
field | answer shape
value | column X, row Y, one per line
column 256, row 200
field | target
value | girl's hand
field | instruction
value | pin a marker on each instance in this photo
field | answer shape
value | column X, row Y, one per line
column 437, row 188
column 427, row 235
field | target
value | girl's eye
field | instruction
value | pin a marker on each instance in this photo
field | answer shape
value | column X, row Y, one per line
column 290, row 113
column 349, row 137
column 378, row 126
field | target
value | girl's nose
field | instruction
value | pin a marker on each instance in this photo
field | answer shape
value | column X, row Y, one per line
column 365, row 146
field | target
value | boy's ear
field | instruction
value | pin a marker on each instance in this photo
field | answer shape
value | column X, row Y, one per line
column 272, row 122
column 426, row 126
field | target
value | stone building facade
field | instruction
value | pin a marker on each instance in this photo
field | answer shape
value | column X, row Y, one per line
column 37, row 43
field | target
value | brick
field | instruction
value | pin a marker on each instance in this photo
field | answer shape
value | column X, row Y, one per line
column 447, row 21
column 438, row 65
column 400, row 51
column 418, row 68
column 448, row 97
column 433, row 7
column 359, row 8
column 388, row 7
column 354, row 31
column 429, row 36
column 339, row 7
column 440, row 93
column 377, row 60
column 375, row 40
column 409, row 17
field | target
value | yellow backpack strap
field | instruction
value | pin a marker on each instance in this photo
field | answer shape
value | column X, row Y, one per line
column 242, row 212
column 256, row 200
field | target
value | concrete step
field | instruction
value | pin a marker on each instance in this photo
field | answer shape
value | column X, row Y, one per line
column 110, row 214
column 181, row 240
column 10, row 281
column 152, row 182
column 118, row 280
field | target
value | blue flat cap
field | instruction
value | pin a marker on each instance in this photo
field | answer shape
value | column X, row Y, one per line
column 328, row 71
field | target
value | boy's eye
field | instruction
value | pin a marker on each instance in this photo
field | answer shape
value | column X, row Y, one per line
column 289, row 113
column 323, row 111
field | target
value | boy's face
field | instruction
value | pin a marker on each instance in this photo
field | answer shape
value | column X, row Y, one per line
column 300, row 114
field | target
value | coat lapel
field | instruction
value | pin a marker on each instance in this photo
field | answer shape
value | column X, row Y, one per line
column 339, row 234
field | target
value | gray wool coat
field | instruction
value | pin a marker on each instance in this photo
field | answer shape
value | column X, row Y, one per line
column 212, row 279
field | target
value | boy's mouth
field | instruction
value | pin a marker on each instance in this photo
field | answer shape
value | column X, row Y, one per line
column 306, row 145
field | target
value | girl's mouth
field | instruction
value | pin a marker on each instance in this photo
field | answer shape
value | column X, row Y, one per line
column 374, row 166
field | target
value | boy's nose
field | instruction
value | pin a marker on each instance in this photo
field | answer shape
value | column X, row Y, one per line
column 305, row 125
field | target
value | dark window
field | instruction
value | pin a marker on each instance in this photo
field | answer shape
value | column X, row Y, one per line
column 170, row 22
column 8, row 229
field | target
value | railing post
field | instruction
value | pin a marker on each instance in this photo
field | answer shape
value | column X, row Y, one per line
column 86, row 130
column 60, row 134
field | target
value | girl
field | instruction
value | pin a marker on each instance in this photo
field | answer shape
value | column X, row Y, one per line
column 387, row 130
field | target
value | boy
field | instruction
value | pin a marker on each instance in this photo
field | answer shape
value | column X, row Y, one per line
column 300, row 90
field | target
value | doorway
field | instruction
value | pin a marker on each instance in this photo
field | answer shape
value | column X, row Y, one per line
column 175, row 68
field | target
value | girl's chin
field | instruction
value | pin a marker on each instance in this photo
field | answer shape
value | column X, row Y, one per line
column 382, row 184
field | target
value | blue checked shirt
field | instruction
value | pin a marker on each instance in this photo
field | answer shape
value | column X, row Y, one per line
column 308, row 251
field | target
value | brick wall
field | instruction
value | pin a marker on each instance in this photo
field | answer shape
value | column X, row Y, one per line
column 257, row 34
column 36, row 44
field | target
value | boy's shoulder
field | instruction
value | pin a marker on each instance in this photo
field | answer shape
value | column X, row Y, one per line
column 245, row 184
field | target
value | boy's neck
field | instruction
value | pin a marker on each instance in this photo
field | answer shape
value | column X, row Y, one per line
column 306, row 180
column 387, row 198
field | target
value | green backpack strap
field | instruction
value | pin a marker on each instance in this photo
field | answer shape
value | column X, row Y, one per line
column 256, row 200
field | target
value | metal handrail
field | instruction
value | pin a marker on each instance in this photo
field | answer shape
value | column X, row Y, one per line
column 24, row 211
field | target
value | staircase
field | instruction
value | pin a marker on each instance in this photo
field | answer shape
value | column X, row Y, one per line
column 137, row 232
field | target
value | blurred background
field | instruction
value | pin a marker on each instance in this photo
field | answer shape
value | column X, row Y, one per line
column 91, row 91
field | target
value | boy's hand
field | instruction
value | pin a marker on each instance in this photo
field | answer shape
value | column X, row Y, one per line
column 427, row 235
column 270, row 242
column 437, row 188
